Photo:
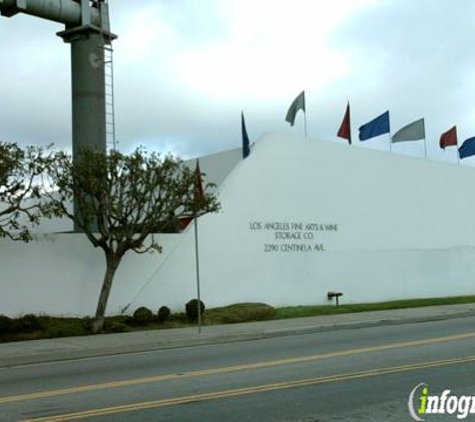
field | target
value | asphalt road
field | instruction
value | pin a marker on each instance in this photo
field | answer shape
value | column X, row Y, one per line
column 354, row 375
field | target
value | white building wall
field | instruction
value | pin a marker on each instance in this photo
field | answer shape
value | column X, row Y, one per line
column 404, row 229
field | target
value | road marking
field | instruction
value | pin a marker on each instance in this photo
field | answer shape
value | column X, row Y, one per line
column 236, row 368
column 248, row 390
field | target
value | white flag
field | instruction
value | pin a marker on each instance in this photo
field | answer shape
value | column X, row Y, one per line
column 412, row 132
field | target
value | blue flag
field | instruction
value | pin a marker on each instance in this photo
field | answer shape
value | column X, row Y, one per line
column 246, row 150
column 375, row 127
column 468, row 148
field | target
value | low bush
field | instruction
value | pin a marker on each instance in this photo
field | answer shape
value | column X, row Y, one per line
column 192, row 309
column 128, row 320
column 6, row 325
column 112, row 326
column 178, row 317
column 240, row 312
column 143, row 316
column 27, row 324
column 163, row 314
column 52, row 327
column 87, row 324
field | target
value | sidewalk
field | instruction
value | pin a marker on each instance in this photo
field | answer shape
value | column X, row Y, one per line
column 37, row 351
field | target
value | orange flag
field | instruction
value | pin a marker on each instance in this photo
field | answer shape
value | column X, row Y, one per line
column 448, row 138
column 345, row 128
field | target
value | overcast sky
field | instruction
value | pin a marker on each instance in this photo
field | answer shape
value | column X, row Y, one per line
column 184, row 69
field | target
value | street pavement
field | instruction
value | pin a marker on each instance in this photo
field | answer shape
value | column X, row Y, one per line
column 345, row 375
column 66, row 348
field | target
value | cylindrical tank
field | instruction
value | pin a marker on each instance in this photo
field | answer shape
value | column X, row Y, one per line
column 88, row 91
column 88, row 36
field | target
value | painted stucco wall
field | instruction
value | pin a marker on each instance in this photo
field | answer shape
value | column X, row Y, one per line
column 373, row 225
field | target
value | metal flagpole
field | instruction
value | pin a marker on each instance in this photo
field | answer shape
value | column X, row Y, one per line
column 425, row 148
column 198, row 293
column 305, row 123
column 390, row 143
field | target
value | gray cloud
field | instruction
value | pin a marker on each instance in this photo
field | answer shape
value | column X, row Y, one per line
column 412, row 57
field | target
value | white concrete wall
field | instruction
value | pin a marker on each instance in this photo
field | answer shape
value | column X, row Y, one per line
column 217, row 167
column 404, row 230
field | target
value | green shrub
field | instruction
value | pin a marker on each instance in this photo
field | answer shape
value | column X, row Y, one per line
column 6, row 325
column 27, row 324
column 143, row 316
column 240, row 312
column 192, row 309
column 163, row 314
column 111, row 326
column 178, row 317
column 64, row 327
column 87, row 324
column 128, row 320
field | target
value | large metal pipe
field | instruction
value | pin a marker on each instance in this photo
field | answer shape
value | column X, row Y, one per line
column 88, row 95
column 63, row 11
column 88, row 91
column 88, row 32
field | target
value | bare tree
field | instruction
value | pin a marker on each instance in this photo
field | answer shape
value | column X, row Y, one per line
column 123, row 201
column 21, row 185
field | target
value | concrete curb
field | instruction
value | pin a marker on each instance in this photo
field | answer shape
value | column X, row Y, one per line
column 57, row 356
column 12, row 361
column 363, row 324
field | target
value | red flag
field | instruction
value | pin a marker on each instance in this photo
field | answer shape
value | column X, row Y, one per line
column 184, row 222
column 198, row 183
column 448, row 138
column 345, row 128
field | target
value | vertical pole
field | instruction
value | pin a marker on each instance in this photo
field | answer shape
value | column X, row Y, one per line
column 88, row 92
column 198, row 293
column 390, row 143
column 305, row 124
column 425, row 140
column 349, row 121
column 85, row 12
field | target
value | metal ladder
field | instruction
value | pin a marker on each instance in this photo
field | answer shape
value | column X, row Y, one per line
column 109, row 97
column 108, row 52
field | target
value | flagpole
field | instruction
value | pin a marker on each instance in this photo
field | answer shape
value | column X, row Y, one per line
column 305, row 124
column 198, row 293
column 390, row 143
column 425, row 148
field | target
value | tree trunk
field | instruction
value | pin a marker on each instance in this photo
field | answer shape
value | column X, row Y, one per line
column 112, row 265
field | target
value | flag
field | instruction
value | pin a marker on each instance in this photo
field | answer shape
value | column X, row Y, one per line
column 298, row 104
column 245, row 139
column 199, row 193
column 448, row 138
column 411, row 132
column 375, row 127
column 468, row 148
column 345, row 128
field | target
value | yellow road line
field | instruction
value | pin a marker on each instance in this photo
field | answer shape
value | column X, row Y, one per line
column 248, row 390
column 236, row 368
